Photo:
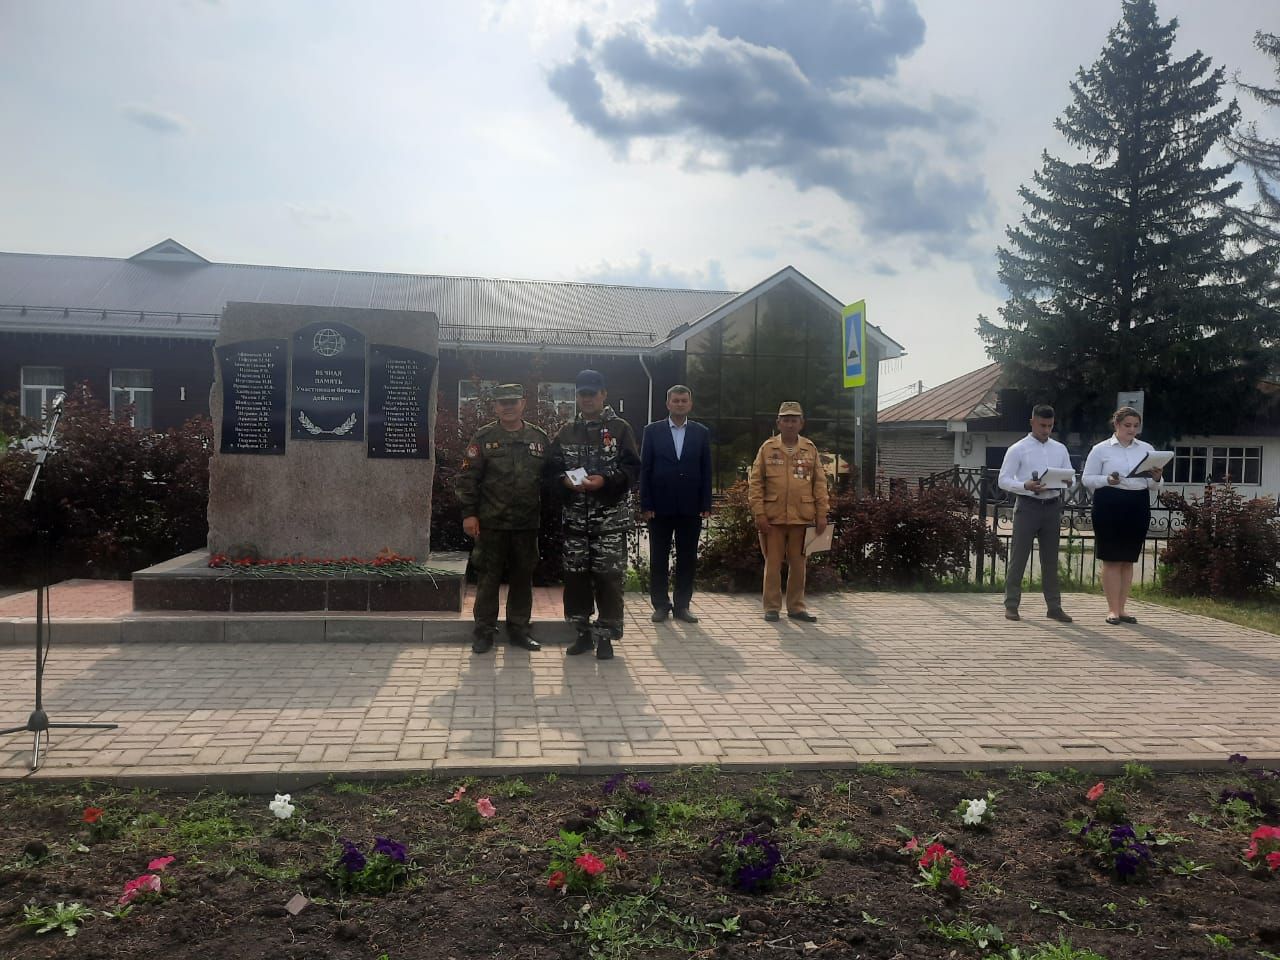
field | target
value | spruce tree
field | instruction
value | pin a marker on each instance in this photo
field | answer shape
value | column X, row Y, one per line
column 1260, row 154
column 1123, row 273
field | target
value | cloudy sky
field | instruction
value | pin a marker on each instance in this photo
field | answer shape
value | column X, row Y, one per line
column 875, row 145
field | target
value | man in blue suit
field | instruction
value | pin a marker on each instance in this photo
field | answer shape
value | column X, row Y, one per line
column 675, row 496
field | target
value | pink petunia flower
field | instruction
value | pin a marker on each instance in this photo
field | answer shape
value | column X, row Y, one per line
column 457, row 795
column 959, row 876
column 591, row 864
column 620, row 853
column 485, row 807
column 147, row 883
column 556, row 880
column 159, row 863
column 912, row 845
column 92, row 814
column 1095, row 791
column 1273, row 860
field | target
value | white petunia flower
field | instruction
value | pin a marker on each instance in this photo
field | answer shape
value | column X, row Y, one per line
column 976, row 811
column 281, row 806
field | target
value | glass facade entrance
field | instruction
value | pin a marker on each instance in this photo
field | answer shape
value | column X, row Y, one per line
column 784, row 345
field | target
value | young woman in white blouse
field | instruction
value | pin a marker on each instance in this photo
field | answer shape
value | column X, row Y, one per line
column 1121, row 507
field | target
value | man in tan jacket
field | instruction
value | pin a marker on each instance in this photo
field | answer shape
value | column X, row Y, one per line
column 788, row 493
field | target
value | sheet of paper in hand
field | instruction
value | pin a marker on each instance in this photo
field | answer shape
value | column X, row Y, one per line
column 815, row 542
column 577, row 476
column 1156, row 458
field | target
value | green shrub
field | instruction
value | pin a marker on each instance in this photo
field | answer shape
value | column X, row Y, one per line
column 1227, row 546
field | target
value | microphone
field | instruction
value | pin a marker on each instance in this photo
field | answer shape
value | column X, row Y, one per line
column 55, row 405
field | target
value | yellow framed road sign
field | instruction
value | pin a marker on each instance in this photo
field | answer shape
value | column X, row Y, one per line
column 854, row 326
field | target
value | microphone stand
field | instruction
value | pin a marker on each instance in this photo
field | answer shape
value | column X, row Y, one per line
column 38, row 723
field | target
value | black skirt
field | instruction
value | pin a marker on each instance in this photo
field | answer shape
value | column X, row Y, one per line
column 1120, row 521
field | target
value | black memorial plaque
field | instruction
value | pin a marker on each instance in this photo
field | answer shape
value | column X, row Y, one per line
column 399, row 402
column 328, row 383
column 254, row 397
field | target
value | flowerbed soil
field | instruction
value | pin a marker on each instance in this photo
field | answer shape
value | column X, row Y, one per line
column 843, row 889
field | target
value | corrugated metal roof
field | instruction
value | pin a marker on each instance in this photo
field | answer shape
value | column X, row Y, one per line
column 966, row 397
column 140, row 297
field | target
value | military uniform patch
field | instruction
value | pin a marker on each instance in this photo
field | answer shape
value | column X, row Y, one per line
column 473, row 451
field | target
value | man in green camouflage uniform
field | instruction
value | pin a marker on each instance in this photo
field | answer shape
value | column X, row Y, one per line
column 499, row 486
column 597, row 514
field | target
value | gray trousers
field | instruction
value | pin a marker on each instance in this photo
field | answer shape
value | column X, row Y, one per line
column 1034, row 519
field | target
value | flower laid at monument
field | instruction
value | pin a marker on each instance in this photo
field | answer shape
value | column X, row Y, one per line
column 385, row 564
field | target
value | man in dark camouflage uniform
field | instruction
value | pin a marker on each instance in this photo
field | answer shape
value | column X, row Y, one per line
column 499, row 486
column 597, row 514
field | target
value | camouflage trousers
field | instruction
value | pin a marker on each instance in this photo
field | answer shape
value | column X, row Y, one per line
column 595, row 569
column 515, row 551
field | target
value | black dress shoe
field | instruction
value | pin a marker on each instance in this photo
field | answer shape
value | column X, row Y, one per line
column 482, row 642
column 771, row 616
column 1011, row 614
column 1060, row 615
column 659, row 615
column 804, row 615
column 524, row 642
column 686, row 616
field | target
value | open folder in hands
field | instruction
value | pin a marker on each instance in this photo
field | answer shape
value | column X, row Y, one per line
column 1058, row 478
column 1156, row 458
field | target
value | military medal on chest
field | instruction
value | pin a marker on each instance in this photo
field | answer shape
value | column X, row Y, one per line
column 608, row 440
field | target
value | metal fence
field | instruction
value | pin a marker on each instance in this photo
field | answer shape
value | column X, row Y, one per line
column 1077, row 562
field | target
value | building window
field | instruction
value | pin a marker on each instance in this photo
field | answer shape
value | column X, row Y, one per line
column 1238, row 465
column 560, row 399
column 132, row 388
column 39, row 385
column 475, row 396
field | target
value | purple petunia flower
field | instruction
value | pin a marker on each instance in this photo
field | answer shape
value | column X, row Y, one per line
column 352, row 859
column 1238, row 758
column 396, row 851
column 1121, row 833
column 613, row 783
column 642, row 787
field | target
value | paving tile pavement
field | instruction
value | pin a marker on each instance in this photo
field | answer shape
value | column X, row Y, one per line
column 910, row 678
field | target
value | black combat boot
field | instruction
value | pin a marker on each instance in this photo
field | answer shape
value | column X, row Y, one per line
column 604, row 647
column 482, row 640
column 584, row 643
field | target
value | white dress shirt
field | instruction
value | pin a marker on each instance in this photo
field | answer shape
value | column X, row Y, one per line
column 1111, row 456
column 1029, row 456
column 677, row 435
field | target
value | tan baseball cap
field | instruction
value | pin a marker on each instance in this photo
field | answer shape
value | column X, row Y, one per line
column 790, row 408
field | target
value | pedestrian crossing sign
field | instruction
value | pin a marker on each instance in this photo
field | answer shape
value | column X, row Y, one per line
column 854, row 325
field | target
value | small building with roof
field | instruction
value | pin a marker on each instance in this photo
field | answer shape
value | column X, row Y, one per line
column 140, row 331
column 970, row 421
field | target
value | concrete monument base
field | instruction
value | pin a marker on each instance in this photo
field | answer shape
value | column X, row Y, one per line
column 189, row 583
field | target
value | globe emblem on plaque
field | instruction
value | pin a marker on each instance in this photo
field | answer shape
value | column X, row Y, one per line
column 328, row 342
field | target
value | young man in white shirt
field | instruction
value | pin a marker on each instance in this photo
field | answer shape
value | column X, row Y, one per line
column 1038, row 512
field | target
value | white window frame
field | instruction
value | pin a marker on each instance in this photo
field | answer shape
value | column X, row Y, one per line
column 47, row 391
column 1232, row 457
column 568, row 394
column 122, row 396
column 475, row 391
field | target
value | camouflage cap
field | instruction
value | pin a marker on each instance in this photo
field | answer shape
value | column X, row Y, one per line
column 790, row 408
column 509, row 391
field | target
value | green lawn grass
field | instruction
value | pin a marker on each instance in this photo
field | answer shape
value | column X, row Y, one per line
column 1261, row 614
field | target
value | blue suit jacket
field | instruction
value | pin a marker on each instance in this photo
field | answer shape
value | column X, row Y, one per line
column 671, row 487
